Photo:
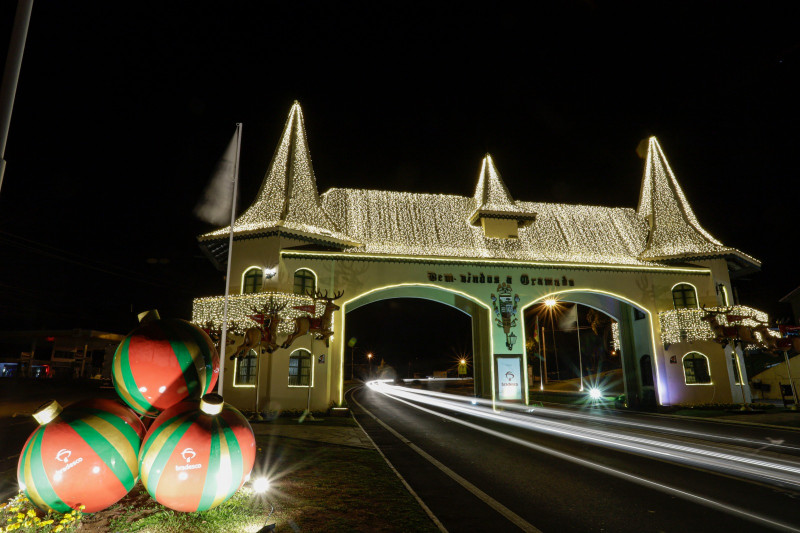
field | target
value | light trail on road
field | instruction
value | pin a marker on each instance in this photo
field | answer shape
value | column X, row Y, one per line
column 775, row 471
column 606, row 420
column 724, row 459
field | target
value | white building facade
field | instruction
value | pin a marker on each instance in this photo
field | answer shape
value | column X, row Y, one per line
column 649, row 269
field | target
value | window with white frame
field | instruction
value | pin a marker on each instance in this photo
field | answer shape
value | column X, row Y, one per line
column 304, row 281
column 246, row 369
column 696, row 369
column 252, row 280
column 300, row 369
column 684, row 296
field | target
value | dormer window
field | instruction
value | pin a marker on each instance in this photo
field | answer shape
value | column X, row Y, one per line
column 495, row 210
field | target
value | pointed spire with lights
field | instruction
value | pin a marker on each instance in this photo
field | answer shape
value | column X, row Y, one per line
column 492, row 199
column 674, row 229
column 288, row 199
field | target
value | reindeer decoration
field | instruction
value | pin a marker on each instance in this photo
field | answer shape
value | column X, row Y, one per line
column 320, row 327
column 266, row 333
column 724, row 335
column 215, row 333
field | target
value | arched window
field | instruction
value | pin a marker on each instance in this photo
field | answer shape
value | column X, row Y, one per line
column 684, row 296
column 252, row 280
column 695, row 369
column 304, row 281
column 300, row 368
column 245, row 374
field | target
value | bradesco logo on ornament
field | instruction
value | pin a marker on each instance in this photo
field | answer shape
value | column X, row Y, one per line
column 188, row 454
column 63, row 456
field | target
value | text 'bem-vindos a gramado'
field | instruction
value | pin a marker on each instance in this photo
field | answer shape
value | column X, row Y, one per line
column 524, row 279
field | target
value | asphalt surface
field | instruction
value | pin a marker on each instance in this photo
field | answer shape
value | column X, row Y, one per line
column 527, row 485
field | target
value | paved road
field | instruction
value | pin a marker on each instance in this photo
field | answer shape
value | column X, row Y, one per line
column 473, row 478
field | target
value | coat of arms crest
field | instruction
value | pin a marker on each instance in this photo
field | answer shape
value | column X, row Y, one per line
column 505, row 311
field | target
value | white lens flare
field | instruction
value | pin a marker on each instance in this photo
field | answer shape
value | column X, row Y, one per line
column 595, row 393
column 260, row 485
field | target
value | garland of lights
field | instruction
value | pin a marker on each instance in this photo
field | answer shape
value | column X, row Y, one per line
column 686, row 325
column 615, row 342
column 240, row 307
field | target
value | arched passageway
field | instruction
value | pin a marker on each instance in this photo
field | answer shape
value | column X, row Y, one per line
column 579, row 340
column 476, row 342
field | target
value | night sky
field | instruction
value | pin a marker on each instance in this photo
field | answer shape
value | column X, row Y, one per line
column 123, row 110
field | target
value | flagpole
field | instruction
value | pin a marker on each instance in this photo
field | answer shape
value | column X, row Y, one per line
column 580, row 355
column 223, row 340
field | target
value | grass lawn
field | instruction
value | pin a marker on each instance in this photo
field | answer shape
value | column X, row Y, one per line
column 314, row 487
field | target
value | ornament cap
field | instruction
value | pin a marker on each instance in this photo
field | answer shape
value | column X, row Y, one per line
column 211, row 404
column 47, row 412
column 147, row 316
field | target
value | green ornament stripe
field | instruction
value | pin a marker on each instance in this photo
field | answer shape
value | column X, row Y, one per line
column 187, row 363
column 165, row 450
column 130, row 382
column 212, row 470
column 40, row 479
column 127, row 431
column 24, row 473
column 235, row 454
column 208, row 350
column 107, row 453
column 153, row 437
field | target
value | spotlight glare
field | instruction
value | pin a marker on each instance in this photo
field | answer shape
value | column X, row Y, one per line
column 595, row 393
column 260, row 485
column 550, row 302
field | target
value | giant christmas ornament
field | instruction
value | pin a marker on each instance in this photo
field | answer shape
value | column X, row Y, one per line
column 86, row 454
column 163, row 362
column 196, row 454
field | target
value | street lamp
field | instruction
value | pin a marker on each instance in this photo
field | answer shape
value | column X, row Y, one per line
column 369, row 357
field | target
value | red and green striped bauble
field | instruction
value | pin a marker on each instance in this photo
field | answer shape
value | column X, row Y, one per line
column 163, row 362
column 197, row 454
column 85, row 455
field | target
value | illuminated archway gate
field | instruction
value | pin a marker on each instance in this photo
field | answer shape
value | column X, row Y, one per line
column 477, row 311
column 492, row 250
column 495, row 295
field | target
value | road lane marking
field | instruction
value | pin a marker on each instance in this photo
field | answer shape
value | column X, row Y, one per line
column 402, row 479
column 488, row 500
column 608, row 470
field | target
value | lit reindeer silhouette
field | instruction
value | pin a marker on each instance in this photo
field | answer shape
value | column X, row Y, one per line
column 319, row 327
column 266, row 333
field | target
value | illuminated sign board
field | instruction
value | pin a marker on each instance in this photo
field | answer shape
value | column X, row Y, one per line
column 509, row 378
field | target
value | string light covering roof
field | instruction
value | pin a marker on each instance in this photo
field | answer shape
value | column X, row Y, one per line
column 415, row 224
column 492, row 199
column 675, row 231
column 288, row 199
column 663, row 228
